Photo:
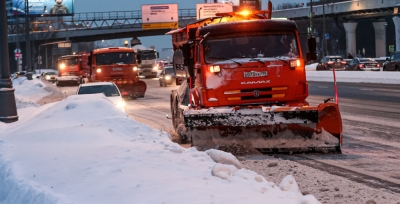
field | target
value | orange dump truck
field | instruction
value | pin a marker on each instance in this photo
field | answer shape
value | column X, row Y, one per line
column 118, row 65
column 72, row 69
column 245, row 84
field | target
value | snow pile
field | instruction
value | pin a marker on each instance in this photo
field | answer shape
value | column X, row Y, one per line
column 85, row 150
column 223, row 158
column 290, row 185
column 29, row 90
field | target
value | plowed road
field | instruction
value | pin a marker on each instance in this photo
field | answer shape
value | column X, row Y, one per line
column 371, row 122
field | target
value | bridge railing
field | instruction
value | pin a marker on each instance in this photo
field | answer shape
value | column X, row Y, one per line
column 93, row 20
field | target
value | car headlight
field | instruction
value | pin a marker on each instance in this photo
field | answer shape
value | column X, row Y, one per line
column 167, row 77
column 121, row 105
column 47, row 77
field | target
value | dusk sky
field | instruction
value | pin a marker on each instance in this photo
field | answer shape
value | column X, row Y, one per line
column 83, row 6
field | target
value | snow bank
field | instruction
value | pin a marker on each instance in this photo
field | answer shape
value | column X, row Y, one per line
column 85, row 150
column 29, row 91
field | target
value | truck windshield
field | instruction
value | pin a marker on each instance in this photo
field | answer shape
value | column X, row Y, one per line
column 150, row 55
column 68, row 61
column 263, row 45
column 115, row 58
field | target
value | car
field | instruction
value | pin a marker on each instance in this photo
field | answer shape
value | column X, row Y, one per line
column 167, row 76
column 17, row 74
column 363, row 64
column 392, row 63
column 331, row 62
column 109, row 89
column 50, row 76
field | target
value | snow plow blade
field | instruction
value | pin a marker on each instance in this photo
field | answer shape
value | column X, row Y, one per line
column 268, row 129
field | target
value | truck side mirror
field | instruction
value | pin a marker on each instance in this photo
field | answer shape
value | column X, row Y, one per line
column 138, row 59
column 312, row 47
column 192, row 33
column 158, row 55
column 186, row 54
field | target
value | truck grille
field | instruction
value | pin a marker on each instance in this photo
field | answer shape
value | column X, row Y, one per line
column 146, row 66
column 254, row 94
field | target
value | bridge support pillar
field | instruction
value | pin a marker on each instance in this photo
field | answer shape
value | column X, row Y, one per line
column 380, row 38
column 350, row 28
column 396, row 21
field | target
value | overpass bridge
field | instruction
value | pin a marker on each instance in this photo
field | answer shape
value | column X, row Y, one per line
column 350, row 18
column 85, row 27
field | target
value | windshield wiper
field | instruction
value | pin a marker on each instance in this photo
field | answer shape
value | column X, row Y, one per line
column 227, row 59
column 258, row 60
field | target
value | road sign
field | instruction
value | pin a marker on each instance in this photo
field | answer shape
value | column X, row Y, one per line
column 17, row 54
column 160, row 13
column 159, row 25
column 327, row 36
column 17, row 50
column 209, row 10
column 39, row 57
column 391, row 48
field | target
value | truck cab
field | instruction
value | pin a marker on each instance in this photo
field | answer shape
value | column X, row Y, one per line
column 118, row 65
column 72, row 69
column 148, row 66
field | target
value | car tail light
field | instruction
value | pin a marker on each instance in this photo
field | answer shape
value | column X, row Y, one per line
column 330, row 62
column 361, row 66
column 343, row 62
column 377, row 65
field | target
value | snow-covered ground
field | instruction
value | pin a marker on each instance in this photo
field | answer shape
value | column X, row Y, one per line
column 84, row 150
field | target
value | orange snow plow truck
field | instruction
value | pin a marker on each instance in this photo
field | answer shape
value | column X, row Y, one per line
column 72, row 69
column 118, row 65
column 246, row 85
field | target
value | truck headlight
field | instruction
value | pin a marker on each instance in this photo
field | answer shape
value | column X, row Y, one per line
column 135, row 68
column 98, row 70
column 62, row 66
column 214, row 69
column 294, row 64
column 155, row 68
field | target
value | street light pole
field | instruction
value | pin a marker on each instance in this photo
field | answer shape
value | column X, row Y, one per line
column 28, row 42
column 8, row 108
column 311, row 17
column 324, row 28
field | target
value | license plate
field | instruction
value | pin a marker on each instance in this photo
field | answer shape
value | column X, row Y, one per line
column 117, row 69
column 255, row 74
